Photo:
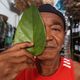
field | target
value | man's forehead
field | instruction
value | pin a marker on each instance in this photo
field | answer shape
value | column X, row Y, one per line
column 51, row 9
column 52, row 18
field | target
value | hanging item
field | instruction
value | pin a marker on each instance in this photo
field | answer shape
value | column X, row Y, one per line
column 21, row 5
column 3, row 30
column 6, row 35
column 18, row 6
column 31, row 29
column 9, row 35
column 60, row 5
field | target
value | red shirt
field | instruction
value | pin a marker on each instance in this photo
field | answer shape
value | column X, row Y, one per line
column 65, row 72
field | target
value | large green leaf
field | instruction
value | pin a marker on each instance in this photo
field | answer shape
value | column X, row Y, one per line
column 31, row 29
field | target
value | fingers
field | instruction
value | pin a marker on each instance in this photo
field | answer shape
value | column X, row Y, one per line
column 15, row 54
column 19, row 46
column 22, row 59
column 17, row 60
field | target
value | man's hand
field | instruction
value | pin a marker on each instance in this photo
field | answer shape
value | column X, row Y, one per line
column 15, row 59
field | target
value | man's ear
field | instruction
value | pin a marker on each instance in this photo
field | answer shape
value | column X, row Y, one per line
column 63, row 46
column 65, row 31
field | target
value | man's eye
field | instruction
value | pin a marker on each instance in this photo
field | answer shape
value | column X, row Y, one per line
column 54, row 29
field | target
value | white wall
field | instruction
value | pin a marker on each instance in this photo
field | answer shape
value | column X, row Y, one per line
column 13, row 18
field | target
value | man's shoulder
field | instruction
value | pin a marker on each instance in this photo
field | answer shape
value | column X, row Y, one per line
column 76, row 66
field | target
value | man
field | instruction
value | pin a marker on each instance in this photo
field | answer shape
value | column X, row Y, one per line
column 18, row 64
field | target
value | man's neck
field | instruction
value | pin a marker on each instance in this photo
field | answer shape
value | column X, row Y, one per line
column 49, row 67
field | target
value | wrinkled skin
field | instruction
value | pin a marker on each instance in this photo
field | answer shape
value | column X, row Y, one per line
column 15, row 59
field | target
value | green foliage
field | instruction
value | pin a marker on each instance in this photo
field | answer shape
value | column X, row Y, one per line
column 31, row 29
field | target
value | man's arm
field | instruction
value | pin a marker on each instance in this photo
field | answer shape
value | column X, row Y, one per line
column 76, row 70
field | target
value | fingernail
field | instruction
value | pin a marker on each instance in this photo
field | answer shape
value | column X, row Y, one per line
column 30, row 43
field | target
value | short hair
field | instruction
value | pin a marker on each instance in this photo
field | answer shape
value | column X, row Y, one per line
column 51, row 9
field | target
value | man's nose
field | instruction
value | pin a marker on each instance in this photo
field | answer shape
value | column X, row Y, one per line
column 49, row 35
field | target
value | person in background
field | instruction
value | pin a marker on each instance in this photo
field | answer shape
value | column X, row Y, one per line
column 18, row 64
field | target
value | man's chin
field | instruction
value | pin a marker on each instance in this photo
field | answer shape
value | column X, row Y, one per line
column 47, row 54
column 50, row 50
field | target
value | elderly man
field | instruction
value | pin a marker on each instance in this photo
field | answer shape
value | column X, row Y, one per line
column 18, row 64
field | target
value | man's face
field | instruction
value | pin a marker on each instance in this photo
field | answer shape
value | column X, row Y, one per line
column 54, row 35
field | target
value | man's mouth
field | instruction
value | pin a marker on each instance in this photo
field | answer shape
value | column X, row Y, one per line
column 50, row 47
